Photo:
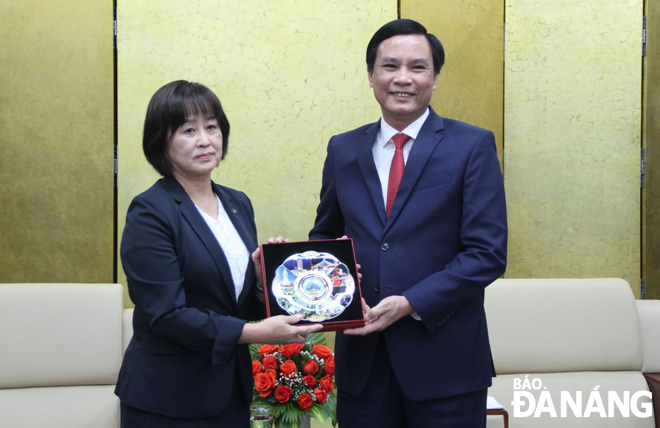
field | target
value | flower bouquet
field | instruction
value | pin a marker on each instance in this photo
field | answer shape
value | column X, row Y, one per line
column 295, row 380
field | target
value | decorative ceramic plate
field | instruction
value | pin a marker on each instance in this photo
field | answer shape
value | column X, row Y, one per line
column 316, row 285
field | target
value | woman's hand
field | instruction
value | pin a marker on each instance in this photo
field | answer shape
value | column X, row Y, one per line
column 256, row 258
column 277, row 330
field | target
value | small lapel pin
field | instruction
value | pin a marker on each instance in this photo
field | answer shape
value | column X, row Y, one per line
column 235, row 211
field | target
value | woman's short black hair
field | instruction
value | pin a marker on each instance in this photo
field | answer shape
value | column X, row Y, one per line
column 168, row 109
column 400, row 27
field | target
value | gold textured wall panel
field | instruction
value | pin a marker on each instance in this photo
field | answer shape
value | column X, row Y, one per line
column 56, row 140
column 572, row 138
column 470, row 85
column 289, row 74
column 652, row 137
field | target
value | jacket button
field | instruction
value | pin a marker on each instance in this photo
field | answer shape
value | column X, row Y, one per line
column 377, row 289
column 384, row 246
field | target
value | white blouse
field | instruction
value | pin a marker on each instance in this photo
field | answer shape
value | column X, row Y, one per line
column 232, row 245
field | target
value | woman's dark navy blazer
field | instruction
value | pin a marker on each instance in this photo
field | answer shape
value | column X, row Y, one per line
column 184, row 360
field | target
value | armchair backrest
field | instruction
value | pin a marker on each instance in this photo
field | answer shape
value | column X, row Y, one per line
column 60, row 334
column 563, row 325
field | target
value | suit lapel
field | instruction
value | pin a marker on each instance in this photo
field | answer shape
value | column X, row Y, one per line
column 241, row 222
column 196, row 221
column 427, row 140
column 365, row 159
column 238, row 218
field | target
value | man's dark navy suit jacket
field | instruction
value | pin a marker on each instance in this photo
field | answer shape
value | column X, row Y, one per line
column 444, row 242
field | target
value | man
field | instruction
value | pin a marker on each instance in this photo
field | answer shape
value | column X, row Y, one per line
column 428, row 218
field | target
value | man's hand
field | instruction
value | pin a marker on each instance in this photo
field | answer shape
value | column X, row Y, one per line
column 387, row 312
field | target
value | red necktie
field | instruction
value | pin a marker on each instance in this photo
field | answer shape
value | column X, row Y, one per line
column 396, row 171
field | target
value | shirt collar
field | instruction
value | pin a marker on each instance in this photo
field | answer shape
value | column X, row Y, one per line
column 412, row 130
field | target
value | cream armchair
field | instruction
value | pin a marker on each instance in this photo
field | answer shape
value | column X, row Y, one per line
column 574, row 335
column 60, row 352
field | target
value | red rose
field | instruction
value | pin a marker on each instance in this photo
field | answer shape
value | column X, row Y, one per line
column 321, row 396
column 309, row 380
column 263, row 383
column 270, row 362
column 311, row 367
column 291, row 349
column 272, row 373
column 256, row 367
column 267, row 349
column 305, row 401
column 288, row 367
column 322, row 351
column 329, row 366
column 326, row 383
column 283, row 393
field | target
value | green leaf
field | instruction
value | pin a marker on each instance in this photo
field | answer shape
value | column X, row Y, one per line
column 316, row 339
column 284, row 424
column 280, row 410
column 254, row 350
column 287, row 413
column 318, row 413
column 332, row 406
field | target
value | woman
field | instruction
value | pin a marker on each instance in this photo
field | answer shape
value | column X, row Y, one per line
column 186, row 253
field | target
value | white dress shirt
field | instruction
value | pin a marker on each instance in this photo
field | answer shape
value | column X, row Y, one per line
column 383, row 151
column 232, row 245
column 383, row 148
